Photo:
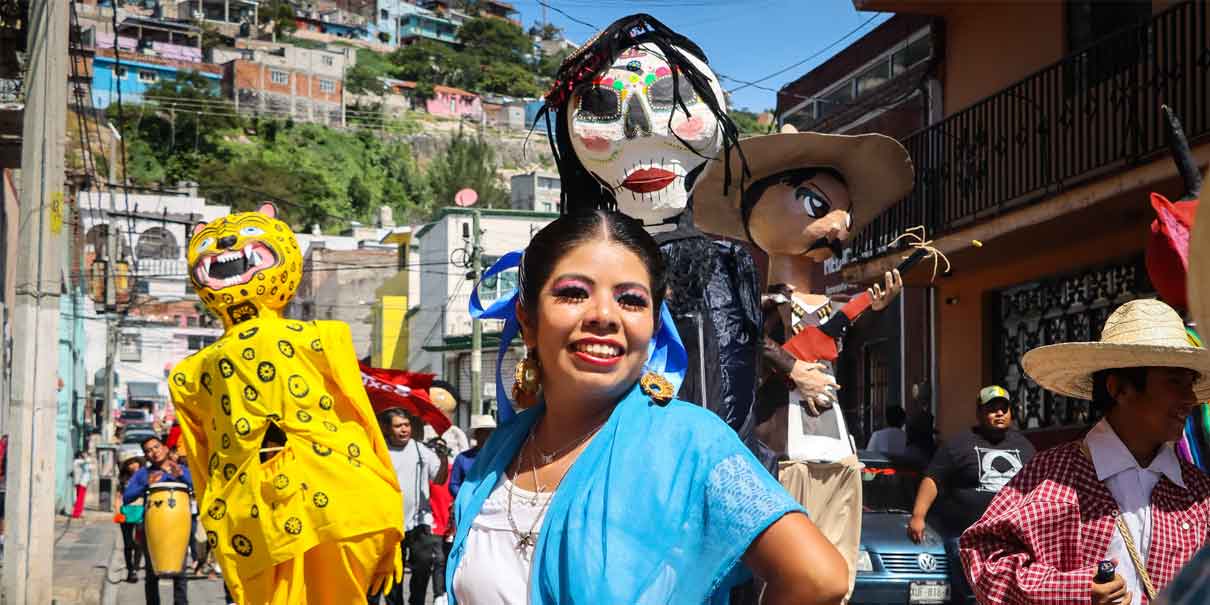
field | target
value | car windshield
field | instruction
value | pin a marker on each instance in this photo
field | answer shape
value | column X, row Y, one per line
column 137, row 438
column 133, row 415
column 888, row 488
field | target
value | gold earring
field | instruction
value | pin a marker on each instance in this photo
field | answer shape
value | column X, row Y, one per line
column 656, row 387
column 527, row 382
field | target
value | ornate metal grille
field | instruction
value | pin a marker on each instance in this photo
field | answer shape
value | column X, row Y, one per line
column 1060, row 309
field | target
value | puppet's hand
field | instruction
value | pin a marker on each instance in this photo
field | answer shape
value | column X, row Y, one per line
column 815, row 385
column 880, row 296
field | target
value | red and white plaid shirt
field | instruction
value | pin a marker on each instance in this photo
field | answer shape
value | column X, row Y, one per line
column 1041, row 538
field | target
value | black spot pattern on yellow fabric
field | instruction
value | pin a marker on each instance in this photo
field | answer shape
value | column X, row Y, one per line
column 249, row 333
column 212, row 539
column 249, row 354
column 260, row 290
column 178, row 379
column 213, row 424
column 265, row 371
column 226, row 368
column 303, row 416
column 242, row 426
column 298, row 387
column 206, row 382
column 286, row 348
column 281, row 481
column 224, row 402
column 243, row 478
column 354, row 451
column 325, row 402
column 319, row 499
column 317, row 346
column 217, row 509
column 294, row 326
column 227, row 298
column 322, row 450
column 273, row 417
column 331, row 427
column 293, row 526
column 241, row 544
column 250, row 393
column 213, row 462
column 229, row 471
column 226, row 440
column 255, row 512
column 355, row 462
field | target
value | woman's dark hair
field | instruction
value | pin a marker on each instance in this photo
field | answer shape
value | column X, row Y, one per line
column 895, row 416
column 1102, row 401
column 581, row 191
column 570, row 230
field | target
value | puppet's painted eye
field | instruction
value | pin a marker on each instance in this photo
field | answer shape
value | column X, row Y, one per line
column 814, row 203
column 251, row 231
column 600, row 104
column 201, row 247
column 660, row 94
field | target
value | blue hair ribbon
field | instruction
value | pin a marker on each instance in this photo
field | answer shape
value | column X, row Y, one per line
column 665, row 353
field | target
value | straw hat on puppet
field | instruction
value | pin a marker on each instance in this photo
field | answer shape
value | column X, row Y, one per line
column 1140, row 333
column 876, row 168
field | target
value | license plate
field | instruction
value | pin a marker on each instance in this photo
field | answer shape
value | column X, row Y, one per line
column 928, row 592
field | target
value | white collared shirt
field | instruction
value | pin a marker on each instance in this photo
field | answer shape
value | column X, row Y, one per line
column 1131, row 487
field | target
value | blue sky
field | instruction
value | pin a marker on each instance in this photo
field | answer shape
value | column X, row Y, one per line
column 744, row 39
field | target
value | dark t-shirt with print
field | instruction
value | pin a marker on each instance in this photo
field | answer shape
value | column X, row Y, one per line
column 969, row 471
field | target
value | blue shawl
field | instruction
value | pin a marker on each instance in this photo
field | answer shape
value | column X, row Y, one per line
column 657, row 509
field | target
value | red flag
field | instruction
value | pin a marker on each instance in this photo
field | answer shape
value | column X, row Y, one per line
column 407, row 391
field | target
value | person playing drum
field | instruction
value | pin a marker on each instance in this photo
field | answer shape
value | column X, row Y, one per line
column 160, row 468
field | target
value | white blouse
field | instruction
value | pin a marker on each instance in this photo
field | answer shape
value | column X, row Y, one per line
column 493, row 571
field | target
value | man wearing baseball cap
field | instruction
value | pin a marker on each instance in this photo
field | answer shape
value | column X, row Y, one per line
column 1120, row 493
column 968, row 471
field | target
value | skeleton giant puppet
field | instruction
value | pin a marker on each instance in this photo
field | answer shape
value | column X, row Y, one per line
column 299, row 496
column 637, row 113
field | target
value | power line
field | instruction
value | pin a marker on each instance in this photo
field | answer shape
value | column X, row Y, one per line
column 813, row 55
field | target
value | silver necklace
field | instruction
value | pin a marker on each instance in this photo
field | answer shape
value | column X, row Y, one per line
column 548, row 458
column 526, row 541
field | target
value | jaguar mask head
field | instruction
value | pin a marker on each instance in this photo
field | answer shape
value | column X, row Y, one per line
column 245, row 265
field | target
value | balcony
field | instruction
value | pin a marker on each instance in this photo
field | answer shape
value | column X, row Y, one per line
column 1095, row 112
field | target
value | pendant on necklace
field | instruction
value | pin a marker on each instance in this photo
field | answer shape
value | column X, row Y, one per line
column 525, row 543
column 546, row 459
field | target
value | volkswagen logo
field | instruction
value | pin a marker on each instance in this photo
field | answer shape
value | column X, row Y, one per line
column 926, row 562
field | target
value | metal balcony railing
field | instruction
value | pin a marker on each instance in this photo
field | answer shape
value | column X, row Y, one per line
column 1093, row 112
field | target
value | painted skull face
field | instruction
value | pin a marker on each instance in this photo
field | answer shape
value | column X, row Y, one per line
column 245, row 262
column 624, row 129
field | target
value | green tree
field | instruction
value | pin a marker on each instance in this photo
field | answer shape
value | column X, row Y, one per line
column 281, row 14
column 549, row 65
column 467, row 162
column 746, row 122
column 496, row 39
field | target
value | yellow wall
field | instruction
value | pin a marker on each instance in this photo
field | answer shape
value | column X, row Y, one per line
column 390, row 322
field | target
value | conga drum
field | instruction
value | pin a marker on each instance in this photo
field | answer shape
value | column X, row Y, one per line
column 167, row 527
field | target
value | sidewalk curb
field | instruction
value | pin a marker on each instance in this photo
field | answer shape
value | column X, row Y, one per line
column 109, row 588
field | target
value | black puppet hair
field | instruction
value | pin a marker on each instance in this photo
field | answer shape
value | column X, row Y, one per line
column 793, row 178
column 581, row 191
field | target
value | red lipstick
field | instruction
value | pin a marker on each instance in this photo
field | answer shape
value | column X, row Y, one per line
column 648, row 180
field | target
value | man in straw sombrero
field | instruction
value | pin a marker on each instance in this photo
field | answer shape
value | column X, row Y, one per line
column 1120, row 493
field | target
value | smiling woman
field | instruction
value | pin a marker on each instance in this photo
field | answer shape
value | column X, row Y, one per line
column 607, row 490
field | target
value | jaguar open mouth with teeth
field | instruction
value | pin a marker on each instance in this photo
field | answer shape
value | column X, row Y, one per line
column 234, row 267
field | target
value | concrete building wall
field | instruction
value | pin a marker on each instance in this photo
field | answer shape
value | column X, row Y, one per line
column 536, row 191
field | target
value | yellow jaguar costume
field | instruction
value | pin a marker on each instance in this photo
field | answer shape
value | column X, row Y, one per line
column 319, row 521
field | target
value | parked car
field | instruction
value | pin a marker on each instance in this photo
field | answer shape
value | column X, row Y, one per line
column 890, row 567
column 132, row 441
column 134, row 416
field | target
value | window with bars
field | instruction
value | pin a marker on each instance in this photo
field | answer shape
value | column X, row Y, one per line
column 279, row 77
column 327, row 86
column 130, row 347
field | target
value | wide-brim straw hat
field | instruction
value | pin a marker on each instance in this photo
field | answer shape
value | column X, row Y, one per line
column 877, row 171
column 1140, row 333
column 482, row 421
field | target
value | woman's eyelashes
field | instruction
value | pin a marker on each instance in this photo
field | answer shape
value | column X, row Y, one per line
column 569, row 291
column 632, row 300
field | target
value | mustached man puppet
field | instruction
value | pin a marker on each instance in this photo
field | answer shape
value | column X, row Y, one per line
column 298, row 495
column 637, row 112
column 808, row 193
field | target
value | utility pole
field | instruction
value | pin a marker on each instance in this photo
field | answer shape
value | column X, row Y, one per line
column 476, row 325
column 111, row 290
column 29, row 539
